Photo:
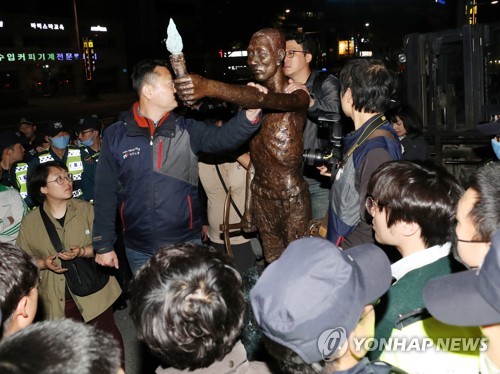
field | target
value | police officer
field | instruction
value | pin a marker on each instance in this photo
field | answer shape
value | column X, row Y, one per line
column 28, row 128
column 14, row 170
column 89, row 137
column 57, row 135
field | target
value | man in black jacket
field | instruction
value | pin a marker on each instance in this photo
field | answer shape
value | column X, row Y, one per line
column 323, row 113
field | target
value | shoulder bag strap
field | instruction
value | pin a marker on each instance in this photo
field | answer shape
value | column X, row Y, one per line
column 51, row 230
column 367, row 132
column 225, row 189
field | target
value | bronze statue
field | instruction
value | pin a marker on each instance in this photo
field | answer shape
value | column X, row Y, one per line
column 281, row 204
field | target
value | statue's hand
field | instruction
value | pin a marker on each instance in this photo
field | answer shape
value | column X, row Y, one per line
column 191, row 88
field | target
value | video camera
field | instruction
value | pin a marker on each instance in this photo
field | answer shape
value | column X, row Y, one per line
column 331, row 153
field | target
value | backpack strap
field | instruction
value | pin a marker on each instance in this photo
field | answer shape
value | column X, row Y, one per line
column 382, row 133
column 227, row 190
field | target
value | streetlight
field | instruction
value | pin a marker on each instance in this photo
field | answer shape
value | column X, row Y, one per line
column 77, row 31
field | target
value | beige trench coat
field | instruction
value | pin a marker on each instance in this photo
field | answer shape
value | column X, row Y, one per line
column 77, row 231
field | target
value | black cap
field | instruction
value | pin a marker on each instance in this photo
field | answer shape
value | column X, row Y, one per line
column 89, row 123
column 25, row 121
column 9, row 138
column 55, row 127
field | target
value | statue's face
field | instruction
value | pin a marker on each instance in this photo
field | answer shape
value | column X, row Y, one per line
column 262, row 58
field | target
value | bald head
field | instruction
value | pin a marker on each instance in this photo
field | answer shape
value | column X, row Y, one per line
column 266, row 52
column 275, row 37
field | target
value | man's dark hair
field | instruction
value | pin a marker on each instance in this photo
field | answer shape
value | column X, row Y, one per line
column 60, row 346
column 421, row 192
column 18, row 276
column 486, row 212
column 144, row 72
column 37, row 178
column 371, row 84
column 289, row 361
column 304, row 40
column 187, row 304
column 411, row 120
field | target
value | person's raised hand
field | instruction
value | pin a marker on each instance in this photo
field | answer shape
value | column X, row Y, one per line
column 191, row 88
column 253, row 114
column 294, row 86
column 260, row 87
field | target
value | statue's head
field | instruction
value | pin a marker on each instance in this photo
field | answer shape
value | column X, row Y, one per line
column 266, row 52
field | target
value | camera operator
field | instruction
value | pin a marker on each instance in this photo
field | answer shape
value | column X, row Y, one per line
column 324, row 102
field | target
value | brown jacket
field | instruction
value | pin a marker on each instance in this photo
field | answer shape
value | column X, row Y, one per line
column 77, row 230
column 235, row 362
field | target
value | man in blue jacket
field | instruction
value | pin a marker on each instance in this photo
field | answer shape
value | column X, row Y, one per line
column 148, row 165
column 367, row 87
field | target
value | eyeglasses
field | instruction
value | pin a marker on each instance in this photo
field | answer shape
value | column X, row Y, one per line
column 472, row 241
column 60, row 180
column 370, row 204
column 290, row 53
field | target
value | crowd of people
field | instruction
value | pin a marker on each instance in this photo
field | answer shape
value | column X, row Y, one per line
column 401, row 276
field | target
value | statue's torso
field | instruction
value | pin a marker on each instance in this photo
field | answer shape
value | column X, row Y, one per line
column 276, row 153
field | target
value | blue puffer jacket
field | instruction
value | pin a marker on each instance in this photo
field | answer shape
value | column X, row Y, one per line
column 154, row 179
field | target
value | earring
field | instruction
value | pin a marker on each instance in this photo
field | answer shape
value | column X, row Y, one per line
column 278, row 64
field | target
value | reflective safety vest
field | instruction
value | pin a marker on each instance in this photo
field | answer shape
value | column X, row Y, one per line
column 21, row 173
column 430, row 346
column 74, row 165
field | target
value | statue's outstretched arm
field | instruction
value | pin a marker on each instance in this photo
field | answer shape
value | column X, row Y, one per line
column 194, row 87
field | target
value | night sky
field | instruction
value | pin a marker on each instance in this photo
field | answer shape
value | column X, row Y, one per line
column 221, row 22
column 208, row 26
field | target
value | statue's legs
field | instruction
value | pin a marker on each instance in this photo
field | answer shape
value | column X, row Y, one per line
column 281, row 221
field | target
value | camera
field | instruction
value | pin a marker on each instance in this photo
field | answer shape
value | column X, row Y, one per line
column 331, row 153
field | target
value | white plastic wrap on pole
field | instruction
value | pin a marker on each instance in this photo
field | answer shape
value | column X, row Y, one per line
column 174, row 46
